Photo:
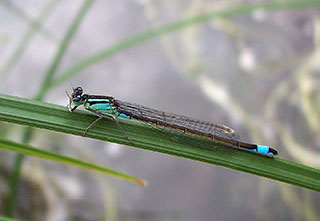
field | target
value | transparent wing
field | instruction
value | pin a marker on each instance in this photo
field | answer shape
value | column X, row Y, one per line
column 172, row 125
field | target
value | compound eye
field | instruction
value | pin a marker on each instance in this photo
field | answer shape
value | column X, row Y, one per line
column 78, row 91
column 77, row 98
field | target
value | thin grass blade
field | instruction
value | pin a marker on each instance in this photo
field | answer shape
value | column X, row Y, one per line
column 47, row 155
column 57, row 118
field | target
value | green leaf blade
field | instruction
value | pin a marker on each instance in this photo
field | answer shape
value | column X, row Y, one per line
column 57, row 118
column 40, row 153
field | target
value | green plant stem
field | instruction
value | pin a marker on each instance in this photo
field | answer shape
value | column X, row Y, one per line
column 44, row 154
column 56, row 118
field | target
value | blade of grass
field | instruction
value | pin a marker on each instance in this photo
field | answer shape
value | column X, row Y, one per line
column 184, row 23
column 56, row 118
column 47, row 155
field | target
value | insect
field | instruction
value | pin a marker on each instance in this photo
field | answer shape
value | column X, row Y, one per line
column 108, row 106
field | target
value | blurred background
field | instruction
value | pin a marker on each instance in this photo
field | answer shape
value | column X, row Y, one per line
column 256, row 71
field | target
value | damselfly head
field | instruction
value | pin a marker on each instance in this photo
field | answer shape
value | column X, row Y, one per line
column 75, row 98
column 76, row 94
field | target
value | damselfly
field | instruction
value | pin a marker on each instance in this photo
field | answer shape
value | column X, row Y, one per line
column 108, row 106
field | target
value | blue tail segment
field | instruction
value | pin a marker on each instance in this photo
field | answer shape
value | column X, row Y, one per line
column 264, row 150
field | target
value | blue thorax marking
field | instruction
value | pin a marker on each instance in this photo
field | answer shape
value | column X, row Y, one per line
column 101, row 107
column 104, row 105
column 98, row 100
column 123, row 115
column 100, row 104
